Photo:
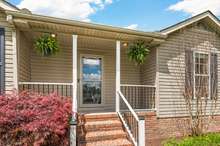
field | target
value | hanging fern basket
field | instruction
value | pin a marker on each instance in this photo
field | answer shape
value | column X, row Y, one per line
column 46, row 45
column 138, row 51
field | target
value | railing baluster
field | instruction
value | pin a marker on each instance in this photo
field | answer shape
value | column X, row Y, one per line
column 48, row 89
column 66, row 90
column 62, row 90
column 43, row 89
column 135, row 94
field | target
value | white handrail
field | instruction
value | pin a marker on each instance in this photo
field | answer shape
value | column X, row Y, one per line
column 43, row 83
column 129, row 106
column 128, row 130
column 140, row 141
column 131, row 85
column 132, row 112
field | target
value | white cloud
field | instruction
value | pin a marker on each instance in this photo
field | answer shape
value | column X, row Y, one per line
column 194, row 7
column 70, row 9
column 132, row 26
column 91, row 61
column 93, row 77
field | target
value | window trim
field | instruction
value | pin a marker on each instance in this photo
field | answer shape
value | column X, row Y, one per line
column 194, row 73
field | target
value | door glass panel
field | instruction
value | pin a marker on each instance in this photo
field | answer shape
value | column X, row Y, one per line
column 91, row 80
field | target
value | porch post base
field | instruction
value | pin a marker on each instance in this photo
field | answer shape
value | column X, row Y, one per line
column 73, row 128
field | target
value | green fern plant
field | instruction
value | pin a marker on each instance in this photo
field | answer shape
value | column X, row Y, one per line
column 138, row 52
column 46, row 45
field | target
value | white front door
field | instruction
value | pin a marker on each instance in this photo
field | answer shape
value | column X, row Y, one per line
column 91, row 72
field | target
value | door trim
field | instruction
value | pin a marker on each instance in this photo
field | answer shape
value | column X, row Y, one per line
column 80, row 81
column 2, row 60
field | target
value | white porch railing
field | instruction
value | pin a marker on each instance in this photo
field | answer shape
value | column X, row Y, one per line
column 133, row 124
column 132, row 98
column 62, row 89
column 140, row 97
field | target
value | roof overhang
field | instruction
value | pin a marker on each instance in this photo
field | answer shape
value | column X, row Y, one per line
column 209, row 16
column 33, row 22
column 7, row 6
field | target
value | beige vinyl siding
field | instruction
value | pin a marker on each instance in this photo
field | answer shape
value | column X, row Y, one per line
column 24, row 64
column 130, row 73
column 9, row 66
column 53, row 69
column 171, row 61
column 148, row 69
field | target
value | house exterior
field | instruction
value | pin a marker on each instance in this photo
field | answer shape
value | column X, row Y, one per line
column 93, row 69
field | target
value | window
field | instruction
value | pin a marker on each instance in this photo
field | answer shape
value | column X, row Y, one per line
column 201, row 75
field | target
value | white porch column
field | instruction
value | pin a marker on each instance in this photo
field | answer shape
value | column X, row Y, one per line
column 118, row 74
column 73, row 122
column 74, row 76
column 141, row 132
column 15, row 60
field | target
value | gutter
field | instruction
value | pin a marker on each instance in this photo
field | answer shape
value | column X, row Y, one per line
column 9, row 4
column 101, row 27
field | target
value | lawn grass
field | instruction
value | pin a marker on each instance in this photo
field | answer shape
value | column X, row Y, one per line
column 212, row 139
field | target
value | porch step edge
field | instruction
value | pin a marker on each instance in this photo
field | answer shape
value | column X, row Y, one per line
column 116, row 142
column 103, row 135
column 102, row 125
column 98, row 116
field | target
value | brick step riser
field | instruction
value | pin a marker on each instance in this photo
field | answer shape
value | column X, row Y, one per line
column 103, row 128
column 99, row 138
column 99, row 119
column 99, row 116
column 87, row 144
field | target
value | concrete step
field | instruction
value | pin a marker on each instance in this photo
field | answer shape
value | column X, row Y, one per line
column 103, row 125
column 98, row 117
column 116, row 142
column 103, row 135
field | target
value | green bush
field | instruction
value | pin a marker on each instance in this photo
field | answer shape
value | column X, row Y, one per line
column 204, row 140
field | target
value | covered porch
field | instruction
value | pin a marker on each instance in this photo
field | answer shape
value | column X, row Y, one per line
column 91, row 66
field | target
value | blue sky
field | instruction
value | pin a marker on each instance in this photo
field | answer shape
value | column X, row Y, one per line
column 147, row 15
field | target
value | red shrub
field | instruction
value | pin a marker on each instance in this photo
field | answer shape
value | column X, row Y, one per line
column 29, row 119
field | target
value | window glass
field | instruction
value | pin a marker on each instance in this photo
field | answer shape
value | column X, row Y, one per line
column 201, row 75
column 91, row 80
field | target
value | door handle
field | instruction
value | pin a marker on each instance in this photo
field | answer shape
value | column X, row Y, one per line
column 78, row 80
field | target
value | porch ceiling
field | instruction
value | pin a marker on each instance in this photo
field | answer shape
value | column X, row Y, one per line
column 38, row 23
column 61, row 29
column 84, row 42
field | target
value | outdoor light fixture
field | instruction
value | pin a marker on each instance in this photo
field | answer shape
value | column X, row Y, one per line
column 125, row 44
column 53, row 35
